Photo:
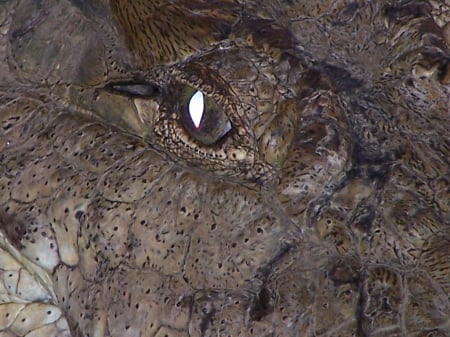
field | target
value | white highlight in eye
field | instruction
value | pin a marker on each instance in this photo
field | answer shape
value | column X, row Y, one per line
column 227, row 128
column 196, row 108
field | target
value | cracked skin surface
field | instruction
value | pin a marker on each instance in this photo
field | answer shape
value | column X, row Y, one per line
column 323, row 212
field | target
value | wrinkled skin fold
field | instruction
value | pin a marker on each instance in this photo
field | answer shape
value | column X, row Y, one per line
column 324, row 211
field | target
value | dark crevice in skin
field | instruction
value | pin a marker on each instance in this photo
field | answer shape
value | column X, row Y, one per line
column 261, row 305
column 379, row 174
column 408, row 10
column 361, row 318
column 376, row 174
column 369, row 150
column 341, row 79
column 271, row 39
column 342, row 274
column 444, row 71
column 347, row 273
column 206, row 320
column 348, row 12
column 264, row 272
column 75, row 327
column 364, row 154
column 266, row 31
column 14, row 230
column 364, row 217
column 312, row 79
column 92, row 9
column 225, row 31
column 17, row 33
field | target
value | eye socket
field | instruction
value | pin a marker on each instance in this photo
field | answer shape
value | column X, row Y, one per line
column 202, row 118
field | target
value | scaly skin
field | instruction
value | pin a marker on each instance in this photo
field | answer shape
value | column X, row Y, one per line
column 324, row 212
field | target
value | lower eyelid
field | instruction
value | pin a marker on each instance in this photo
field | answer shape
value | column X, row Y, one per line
column 135, row 89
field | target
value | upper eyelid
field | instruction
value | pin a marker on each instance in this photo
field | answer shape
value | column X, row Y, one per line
column 135, row 89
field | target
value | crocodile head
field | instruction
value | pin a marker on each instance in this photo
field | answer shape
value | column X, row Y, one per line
column 193, row 168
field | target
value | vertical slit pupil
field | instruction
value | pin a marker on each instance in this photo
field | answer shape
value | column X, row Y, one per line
column 196, row 108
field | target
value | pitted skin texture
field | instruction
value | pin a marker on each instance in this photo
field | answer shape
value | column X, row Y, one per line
column 324, row 212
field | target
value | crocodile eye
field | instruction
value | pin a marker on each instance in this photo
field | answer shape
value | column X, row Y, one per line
column 202, row 118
